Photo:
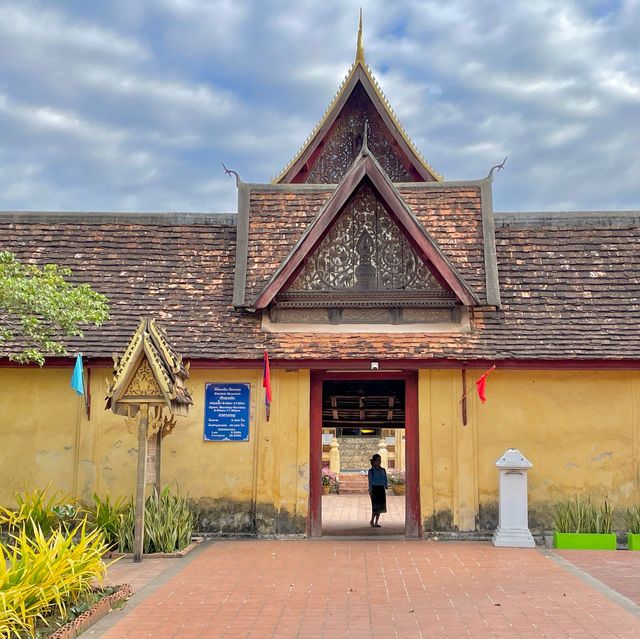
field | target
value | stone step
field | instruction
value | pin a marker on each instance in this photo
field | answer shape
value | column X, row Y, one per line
column 353, row 491
column 353, row 483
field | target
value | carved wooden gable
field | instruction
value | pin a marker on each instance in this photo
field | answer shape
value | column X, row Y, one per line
column 143, row 384
column 364, row 270
column 344, row 141
column 365, row 251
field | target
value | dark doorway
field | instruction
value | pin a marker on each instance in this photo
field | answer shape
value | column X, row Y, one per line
column 363, row 413
column 362, row 408
column 359, row 419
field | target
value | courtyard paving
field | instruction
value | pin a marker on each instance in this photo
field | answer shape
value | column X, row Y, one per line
column 349, row 515
column 376, row 587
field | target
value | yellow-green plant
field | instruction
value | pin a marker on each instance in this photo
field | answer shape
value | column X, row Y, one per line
column 581, row 516
column 40, row 574
column 107, row 517
column 631, row 518
column 9, row 519
column 37, row 509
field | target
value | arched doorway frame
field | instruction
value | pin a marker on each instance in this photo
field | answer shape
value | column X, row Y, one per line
column 412, row 525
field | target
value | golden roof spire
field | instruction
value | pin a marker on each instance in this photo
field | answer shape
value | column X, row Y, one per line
column 358, row 71
column 360, row 46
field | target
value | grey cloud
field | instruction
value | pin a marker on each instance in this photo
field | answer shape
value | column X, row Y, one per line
column 138, row 108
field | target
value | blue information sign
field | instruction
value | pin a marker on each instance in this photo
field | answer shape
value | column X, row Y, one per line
column 226, row 412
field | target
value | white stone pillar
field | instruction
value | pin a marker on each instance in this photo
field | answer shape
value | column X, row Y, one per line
column 513, row 517
column 334, row 456
column 384, row 454
column 400, row 459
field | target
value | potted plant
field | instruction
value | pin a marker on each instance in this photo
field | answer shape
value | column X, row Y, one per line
column 632, row 520
column 329, row 481
column 578, row 524
column 398, row 482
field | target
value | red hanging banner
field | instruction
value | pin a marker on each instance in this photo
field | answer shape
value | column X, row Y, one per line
column 481, row 385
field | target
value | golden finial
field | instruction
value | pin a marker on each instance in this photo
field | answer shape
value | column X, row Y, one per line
column 360, row 46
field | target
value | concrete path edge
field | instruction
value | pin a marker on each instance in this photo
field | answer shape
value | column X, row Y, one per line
column 106, row 623
column 591, row 581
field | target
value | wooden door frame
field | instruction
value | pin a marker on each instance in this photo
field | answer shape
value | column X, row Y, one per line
column 412, row 523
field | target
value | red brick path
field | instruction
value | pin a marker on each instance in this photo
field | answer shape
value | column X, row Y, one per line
column 349, row 515
column 368, row 589
column 619, row 569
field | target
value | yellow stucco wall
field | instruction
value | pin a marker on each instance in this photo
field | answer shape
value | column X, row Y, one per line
column 42, row 417
column 38, row 422
column 580, row 429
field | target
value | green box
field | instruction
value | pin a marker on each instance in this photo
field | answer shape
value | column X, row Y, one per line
column 584, row 541
column 633, row 541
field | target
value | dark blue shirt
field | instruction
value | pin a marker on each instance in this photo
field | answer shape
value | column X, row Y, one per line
column 377, row 477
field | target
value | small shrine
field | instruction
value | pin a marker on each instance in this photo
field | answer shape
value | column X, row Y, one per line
column 148, row 378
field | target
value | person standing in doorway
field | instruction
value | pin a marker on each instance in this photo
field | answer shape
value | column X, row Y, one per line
column 377, row 488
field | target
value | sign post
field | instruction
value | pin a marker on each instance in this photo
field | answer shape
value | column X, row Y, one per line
column 143, row 423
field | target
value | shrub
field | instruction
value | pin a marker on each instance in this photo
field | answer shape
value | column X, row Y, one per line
column 37, row 510
column 397, row 478
column 631, row 517
column 329, row 478
column 581, row 516
column 107, row 517
column 168, row 523
column 40, row 574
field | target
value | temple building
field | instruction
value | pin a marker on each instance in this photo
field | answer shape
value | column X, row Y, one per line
column 381, row 293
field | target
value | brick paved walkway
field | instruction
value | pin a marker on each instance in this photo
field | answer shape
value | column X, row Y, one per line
column 349, row 515
column 138, row 576
column 366, row 589
column 618, row 569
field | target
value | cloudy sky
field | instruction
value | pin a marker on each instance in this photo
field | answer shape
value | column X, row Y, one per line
column 133, row 105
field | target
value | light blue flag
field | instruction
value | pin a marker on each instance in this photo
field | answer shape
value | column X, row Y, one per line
column 77, row 381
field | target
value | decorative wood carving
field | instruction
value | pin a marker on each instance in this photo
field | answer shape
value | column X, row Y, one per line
column 159, row 421
column 345, row 141
column 143, row 384
column 365, row 252
column 132, row 425
column 149, row 372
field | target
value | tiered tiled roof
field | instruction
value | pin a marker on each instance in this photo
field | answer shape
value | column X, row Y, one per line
column 452, row 214
column 570, row 287
column 277, row 220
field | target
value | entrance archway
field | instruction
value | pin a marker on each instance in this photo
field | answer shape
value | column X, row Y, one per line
column 412, row 502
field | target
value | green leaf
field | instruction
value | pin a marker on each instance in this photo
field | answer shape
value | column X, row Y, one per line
column 39, row 308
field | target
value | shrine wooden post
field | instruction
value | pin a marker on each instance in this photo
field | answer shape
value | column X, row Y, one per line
column 149, row 375
column 138, row 536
